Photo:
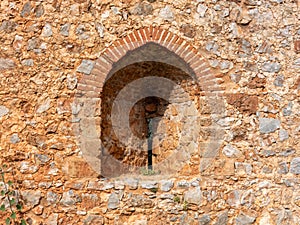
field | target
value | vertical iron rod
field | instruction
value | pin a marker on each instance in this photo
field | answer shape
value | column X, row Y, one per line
column 150, row 138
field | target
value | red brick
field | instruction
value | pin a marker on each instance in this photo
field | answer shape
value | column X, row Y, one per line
column 148, row 34
column 189, row 56
column 155, row 30
column 215, row 88
column 176, row 44
column 100, row 78
column 99, row 89
column 98, row 66
column 194, row 62
column 128, row 41
column 84, row 87
column 208, row 83
column 213, row 93
column 114, row 51
column 106, row 67
column 151, row 29
column 94, row 83
column 206, row 77
column 178, row 41
column 163, row 36
column 110, row 56
column 168, row 39
column 118, row 50
column 92, row 94
column 121, row 42
column 157, row 34
column 172, row 41
column 86, row 78
column 188, row 53
column 136, row 35
column 199, row 66
column 132, row 37
column 205, row 73
column 133, row 40
column 102, row 62
column 143, row 34
column 100, row 69
column 181, row 49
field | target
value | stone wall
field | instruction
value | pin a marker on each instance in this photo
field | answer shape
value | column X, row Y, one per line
column 232, row 156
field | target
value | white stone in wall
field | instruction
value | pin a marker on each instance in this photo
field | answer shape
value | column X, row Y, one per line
column 3, row 111
column 283, row 135
column 86, row 66
column 167, row 13
column 44, row 106
column 47, row 30
column 231, row 151
column 201, row 9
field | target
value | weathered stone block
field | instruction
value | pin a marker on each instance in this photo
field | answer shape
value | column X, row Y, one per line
column 113, row 201
column 244, row 103
column 86, row 66
column 69, row 199
column 76, row 167
column 31, row 197
column 268, row 125
column 295, row 166
column 6, row 64
column 166, row 185
column 271, row 67
column 193, row 196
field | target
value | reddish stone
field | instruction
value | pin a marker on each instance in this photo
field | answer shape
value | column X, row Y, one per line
column 89, row 201
column 257, row 82
column 244, row 103
column 76, row 167
column 188, row 30
column 37, row 140
column 297, row 46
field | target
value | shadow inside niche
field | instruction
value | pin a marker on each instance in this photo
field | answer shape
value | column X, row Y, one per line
column 118, row 158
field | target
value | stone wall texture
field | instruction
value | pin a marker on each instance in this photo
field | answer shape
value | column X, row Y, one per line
column 227, row 129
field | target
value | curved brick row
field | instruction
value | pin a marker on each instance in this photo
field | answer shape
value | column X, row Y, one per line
column 138, row 38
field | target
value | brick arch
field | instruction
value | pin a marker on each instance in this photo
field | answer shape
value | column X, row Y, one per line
column 91, row 84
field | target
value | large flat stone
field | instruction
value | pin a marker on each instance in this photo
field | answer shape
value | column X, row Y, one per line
column 268, row 125
column 194, row 196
